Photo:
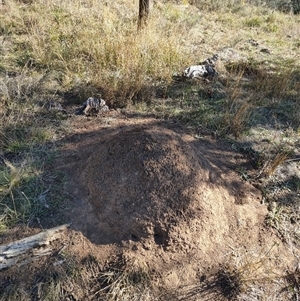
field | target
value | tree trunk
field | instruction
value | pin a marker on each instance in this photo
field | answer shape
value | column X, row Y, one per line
column 143, row 13
column 296, row 6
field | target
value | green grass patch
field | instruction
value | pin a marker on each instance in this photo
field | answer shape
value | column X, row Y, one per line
column 20, row 188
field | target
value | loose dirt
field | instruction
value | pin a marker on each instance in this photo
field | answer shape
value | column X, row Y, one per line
column 152, row 192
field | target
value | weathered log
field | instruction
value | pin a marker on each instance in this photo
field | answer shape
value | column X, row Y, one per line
column 30, row 248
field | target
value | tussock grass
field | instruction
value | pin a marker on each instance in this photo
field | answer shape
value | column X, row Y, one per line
column 95, row 44
column 21, row 194
column 243, row 274
column 293, row 283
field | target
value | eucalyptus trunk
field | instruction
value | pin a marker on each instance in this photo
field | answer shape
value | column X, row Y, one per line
column 143, row 13
column 296, row 6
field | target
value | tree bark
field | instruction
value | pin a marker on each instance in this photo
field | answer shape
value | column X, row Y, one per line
column 143, row 13
column 296, row 6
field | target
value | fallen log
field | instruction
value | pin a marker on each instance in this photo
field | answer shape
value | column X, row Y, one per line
column 27, row 249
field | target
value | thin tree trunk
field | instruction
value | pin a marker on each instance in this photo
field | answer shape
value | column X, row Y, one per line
column 296, row 6
column 143, row 13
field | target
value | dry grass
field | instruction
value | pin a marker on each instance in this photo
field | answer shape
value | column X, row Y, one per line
column 247, row 275
column 278, row 160
column 65, row 277
column 126, row 282
column 244, row 273
column 67, row 51
column 293, row 283
column 241, row 271
column 102, row 52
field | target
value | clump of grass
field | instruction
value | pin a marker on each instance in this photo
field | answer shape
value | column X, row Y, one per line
column 279, row 158
column 20, row 188
column 239, row 119
column 245, row 68
column 293, row 283
column 63, row 276
column 230, row 283
column 219, row 5
column 234, row 283
column 276, row 85
column 255, row 21
column 242, row 272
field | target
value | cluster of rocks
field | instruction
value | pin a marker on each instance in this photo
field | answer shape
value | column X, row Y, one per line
column 92, row 106
column 205, row 69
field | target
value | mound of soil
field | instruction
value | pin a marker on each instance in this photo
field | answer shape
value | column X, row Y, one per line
column 145, row 183
column 145, row 194
column 142, row 181
column 165, row 198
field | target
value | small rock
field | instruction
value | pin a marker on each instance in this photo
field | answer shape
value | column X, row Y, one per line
column 203, row 70
column 265, row 50
column 253, row 42
column 92, row 106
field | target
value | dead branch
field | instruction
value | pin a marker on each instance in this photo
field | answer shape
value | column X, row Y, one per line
column 27, row 249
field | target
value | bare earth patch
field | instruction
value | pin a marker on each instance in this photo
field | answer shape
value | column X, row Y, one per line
column 155, row 214
column 161, row 198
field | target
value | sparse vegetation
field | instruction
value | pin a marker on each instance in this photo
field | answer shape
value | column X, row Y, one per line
column 126, row 282
column 243, row 273
column 65, row 277
column 54, row 52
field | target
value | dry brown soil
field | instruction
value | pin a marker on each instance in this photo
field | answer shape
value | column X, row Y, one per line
column 152, row 192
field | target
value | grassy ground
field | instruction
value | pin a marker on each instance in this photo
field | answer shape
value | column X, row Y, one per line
column 58, row 54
